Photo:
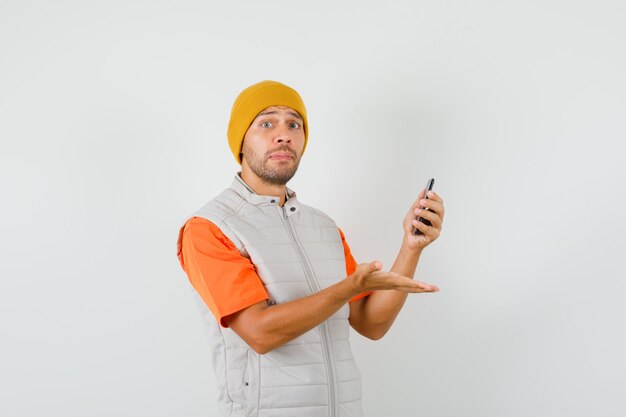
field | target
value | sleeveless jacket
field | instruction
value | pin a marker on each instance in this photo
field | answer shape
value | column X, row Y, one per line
column 297, row 251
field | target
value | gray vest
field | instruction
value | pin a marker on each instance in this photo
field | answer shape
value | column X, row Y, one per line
column 297, row 251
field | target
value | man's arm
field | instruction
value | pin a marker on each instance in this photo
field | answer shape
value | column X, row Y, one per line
column 240, row 301
column 265, row 327
column 373, row 316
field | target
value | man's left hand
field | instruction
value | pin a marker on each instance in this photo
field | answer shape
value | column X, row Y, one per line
column 435, row 215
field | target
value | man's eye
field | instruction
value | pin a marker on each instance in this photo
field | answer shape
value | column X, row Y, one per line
column 295, row 125
column 266, row 124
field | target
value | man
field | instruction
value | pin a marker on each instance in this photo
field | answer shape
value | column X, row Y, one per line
column 276, row 281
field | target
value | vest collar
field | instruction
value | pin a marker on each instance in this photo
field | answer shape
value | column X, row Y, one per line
column 241, row 188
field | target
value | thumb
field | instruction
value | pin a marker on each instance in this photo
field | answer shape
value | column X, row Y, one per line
column 375, row 266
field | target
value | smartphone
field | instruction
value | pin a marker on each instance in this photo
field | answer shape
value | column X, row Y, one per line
column 429, row 186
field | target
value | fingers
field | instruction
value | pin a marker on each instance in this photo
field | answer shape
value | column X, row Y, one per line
column 372, row 278
column 431, row 231
column 420, row 196
column 434, row 203
column 394, row 281
column 367, row 268
column 416, row 287
column 428, row 287
column 430, row 215
column 435, row 197
column 413, row 290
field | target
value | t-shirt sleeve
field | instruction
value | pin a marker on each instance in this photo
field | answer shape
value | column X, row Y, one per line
column 351, row 265
column 226, row 280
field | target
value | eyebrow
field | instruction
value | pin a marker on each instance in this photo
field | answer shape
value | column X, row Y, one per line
column 294, row 114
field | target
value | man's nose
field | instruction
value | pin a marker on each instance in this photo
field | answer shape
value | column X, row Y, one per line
column 282, row 134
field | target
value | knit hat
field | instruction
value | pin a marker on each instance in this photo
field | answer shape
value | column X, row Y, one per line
column 252, row 101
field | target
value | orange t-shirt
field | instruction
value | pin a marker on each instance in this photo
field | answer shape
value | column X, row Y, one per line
column 208, row 256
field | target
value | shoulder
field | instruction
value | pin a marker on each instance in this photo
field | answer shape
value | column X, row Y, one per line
column 223, row 206
column 213, row 216
column 200, row 233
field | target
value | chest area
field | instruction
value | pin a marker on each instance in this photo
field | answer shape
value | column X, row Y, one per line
column 295, row 254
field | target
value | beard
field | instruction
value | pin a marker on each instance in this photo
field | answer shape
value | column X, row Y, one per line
column 279, row 175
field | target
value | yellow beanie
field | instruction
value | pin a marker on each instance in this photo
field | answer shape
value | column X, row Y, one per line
column 252, row 101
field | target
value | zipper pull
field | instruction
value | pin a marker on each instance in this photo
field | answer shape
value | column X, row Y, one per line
column 284, row 213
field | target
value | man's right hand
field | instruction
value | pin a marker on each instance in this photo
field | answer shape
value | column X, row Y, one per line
column 266, row 327
column 369, row 277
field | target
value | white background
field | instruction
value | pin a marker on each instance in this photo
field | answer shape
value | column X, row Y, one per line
column 113, row 118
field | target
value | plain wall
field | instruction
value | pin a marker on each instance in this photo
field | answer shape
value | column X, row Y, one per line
column 113, row 118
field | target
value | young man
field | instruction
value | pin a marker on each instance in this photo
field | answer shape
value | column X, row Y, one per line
column 276, row 281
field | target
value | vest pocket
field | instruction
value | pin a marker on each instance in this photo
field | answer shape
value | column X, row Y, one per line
column 251, row 383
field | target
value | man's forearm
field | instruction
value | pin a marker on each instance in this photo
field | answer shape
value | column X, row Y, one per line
column 278, row 324
column 381, row 308
column 265, row 328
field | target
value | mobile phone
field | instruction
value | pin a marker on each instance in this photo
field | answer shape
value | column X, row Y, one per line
column 429, row 186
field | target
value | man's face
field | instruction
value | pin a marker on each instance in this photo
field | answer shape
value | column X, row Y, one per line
column 273, row 144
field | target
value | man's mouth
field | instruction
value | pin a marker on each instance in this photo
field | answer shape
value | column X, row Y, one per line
column 281, row 156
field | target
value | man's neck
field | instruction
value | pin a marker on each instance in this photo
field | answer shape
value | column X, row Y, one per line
column 262, row 188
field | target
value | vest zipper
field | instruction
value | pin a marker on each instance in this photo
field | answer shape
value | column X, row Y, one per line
column 314, row 287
